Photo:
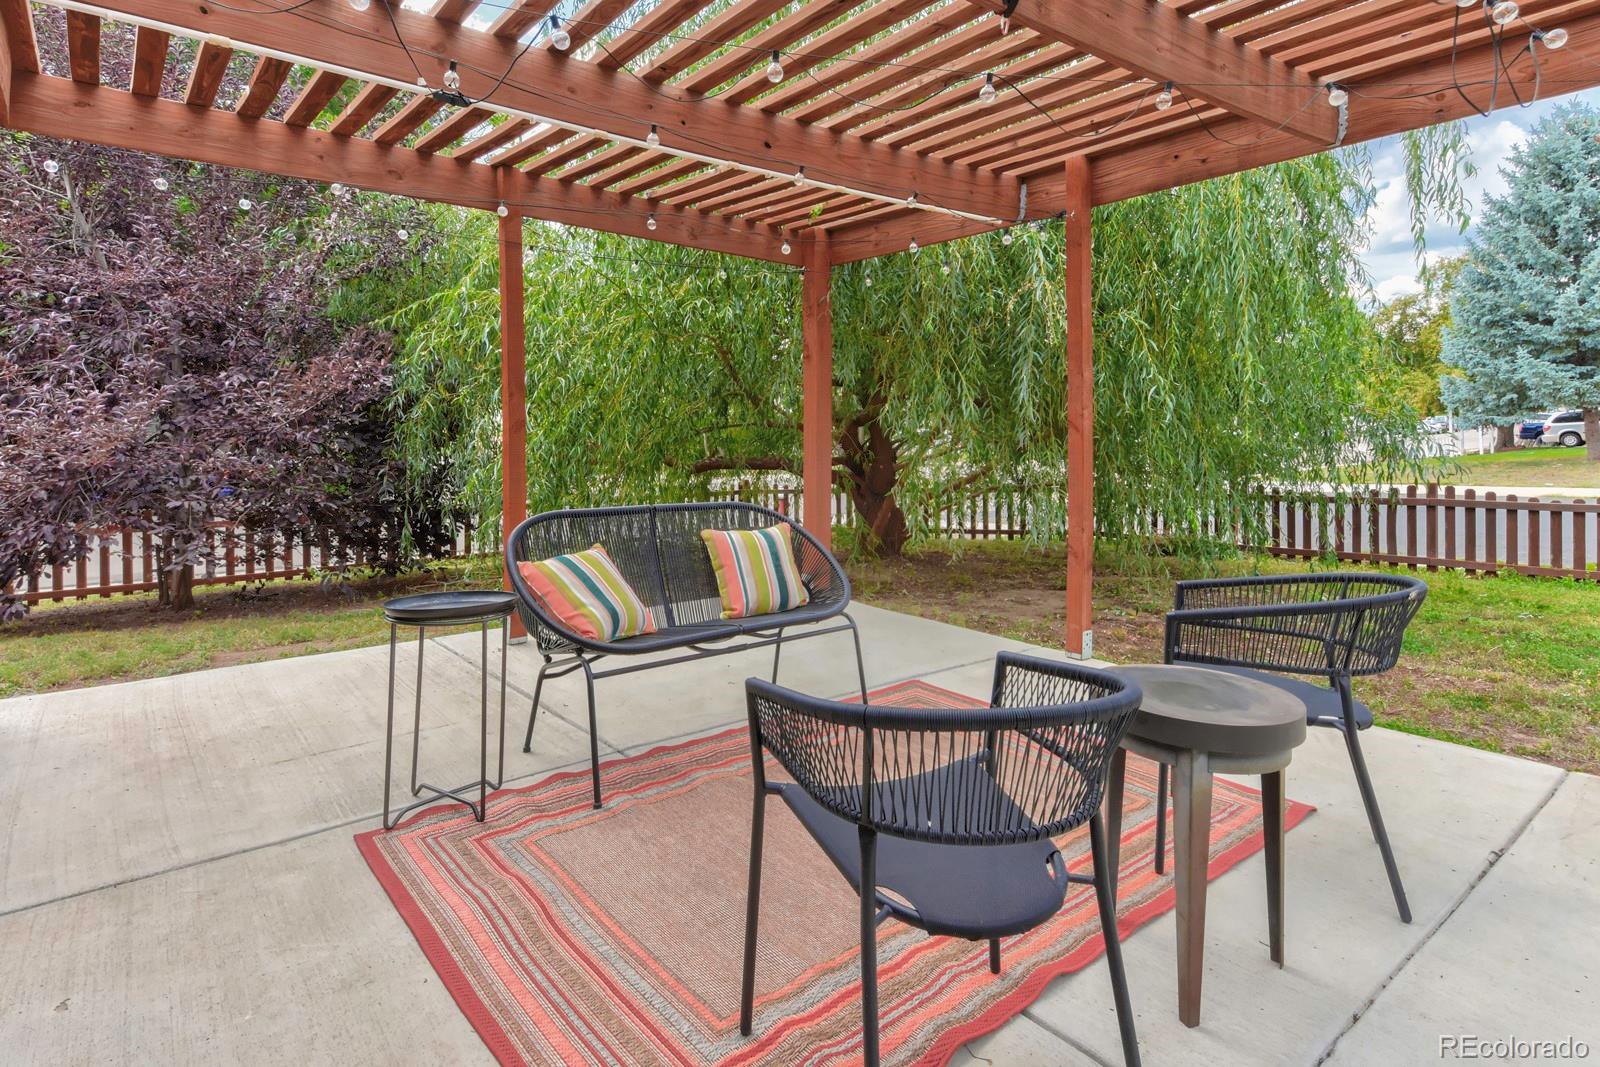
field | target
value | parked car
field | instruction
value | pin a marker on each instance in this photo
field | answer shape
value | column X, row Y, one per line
column 1530, row 430
column 1436, row 424
column 1563, row 428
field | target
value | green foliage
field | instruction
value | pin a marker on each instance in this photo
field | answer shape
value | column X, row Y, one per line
column 1228, row 351
column 1406, row 358
column 1525, row 322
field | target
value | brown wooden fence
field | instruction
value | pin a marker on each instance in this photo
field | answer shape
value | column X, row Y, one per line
column 1428, row 528
column 129, row 561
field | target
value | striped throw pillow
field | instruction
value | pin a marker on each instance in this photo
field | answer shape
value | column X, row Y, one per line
column 587, row 595
column 756, row 572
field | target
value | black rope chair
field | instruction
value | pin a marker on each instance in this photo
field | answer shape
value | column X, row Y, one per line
column 1328, row 626
column 943, row 819
column 658, row 549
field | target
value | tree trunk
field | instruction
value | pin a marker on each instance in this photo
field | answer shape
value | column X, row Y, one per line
column 872, row 473
column 1591, row 434
column 1504, row 438
column 177, row 587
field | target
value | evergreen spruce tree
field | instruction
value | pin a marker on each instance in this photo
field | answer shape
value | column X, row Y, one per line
column 1525, row 311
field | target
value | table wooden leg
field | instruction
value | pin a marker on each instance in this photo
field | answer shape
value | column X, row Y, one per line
column 1115, row 787
column 1272, row 818
column 1191, row 840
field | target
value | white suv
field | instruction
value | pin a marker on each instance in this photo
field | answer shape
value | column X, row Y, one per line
column 1563, row 428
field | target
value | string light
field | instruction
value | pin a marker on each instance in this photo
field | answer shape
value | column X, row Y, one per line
column 560, row 39
column 403, row 233
column 360, row 5
column 502, row 210
column 452, row 78
column 1005, row 237
column 945, row 268
column 867, row 281
column 160, row 183
column 1164, row 97
column 987, row 94
column 1465, row 3
column 784, row 248
column 337, row 188
column 51, row 167
column 800, row 176
column 650, row 221
column 246, row 204
column 913, row 247
column 1505, row 12
column 1337, row 97
column 653, row 138
column 911, row 201
column 775, row 68
column 1551, row 39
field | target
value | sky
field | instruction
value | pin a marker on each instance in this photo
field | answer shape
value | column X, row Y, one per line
column 1390, row 257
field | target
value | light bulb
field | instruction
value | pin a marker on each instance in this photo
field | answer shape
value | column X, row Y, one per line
column 337, row 188
column 452, row 79
column 403, row 233
column 1337, row 97
column 800, row 176
column 911, row 201
column 502, row 210
column 160, row 183
column 775, row 68
column 650, row 221
column 1504, row 12
column 722, row 274
column 1466, row 3
column 784, row 248
column 560, row 39
column 867, row 281
column 1164, row 97
column 360, row 5
column 945, row 269
column 913, row 247
column 987, row 93
column 51, row 166
column 1005, row 238
column 653, row 138
column 1552, row 38
column 245, row 203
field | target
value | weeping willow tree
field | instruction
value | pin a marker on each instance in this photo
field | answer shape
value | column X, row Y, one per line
column 1228, row 352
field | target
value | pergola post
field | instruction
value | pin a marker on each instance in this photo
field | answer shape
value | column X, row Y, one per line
column 1080, row 409
column 816, row 313
column 513, row 390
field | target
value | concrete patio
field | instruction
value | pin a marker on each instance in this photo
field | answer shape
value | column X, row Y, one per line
column 179, row 884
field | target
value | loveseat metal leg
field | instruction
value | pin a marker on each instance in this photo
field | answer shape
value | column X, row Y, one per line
column 594, row 734
column 533, row 710
column 861, row 669
column 777, row 650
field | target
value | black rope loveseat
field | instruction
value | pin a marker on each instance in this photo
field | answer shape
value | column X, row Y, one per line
column 658, row 549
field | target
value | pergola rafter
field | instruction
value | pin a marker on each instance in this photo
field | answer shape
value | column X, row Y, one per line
column 660, row 122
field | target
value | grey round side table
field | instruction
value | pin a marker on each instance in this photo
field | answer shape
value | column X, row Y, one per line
column 1202, row 722
column 456, row 608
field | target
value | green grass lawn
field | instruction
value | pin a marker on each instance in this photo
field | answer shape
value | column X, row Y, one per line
column 1535, row 468
column 1509, row 663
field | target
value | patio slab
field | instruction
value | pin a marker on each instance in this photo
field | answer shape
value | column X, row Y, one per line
column 180, row 884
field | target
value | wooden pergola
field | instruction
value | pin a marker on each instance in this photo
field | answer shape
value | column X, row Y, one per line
column 807, row 132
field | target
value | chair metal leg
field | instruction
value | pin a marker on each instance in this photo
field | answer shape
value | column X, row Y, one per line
column 1116, row 781
column 861, row 668
column 869, row 946
column 594, row 734
column 533, row 711
column 1108, row 928
column 994, row 955
column 777, row 650
column 1272, row 812
column 416, row 719
column 388, row 742
column 483, row 710
column 1161, row 819
column 752, row 908
column 1375, row 817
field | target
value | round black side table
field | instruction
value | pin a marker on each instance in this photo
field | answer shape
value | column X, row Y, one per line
column 461, row 608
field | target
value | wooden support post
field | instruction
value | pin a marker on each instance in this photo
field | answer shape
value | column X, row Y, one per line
column 816, row 311
column 513, row 391
column 1080, row 410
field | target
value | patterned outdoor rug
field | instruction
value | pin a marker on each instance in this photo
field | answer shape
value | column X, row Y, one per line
column 569, row 935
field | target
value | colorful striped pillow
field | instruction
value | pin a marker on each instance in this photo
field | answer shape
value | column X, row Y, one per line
column 586, row 593
column 756, row 572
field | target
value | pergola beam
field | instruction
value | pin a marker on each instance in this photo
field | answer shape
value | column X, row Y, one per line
column 1125, row 171
column 548, row 85
column 1153, row 40
column 56, row 107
